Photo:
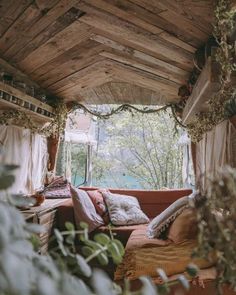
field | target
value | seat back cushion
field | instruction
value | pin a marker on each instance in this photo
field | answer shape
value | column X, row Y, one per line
column 84, row 209
column 184, row 227
column 124, row 210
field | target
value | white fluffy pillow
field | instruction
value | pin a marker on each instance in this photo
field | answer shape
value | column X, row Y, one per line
column 124, row 210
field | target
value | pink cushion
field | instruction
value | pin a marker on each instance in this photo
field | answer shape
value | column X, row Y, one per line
column 84, row 209
column 99, row 204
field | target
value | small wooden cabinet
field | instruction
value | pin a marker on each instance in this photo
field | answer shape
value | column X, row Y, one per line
column 44, row 215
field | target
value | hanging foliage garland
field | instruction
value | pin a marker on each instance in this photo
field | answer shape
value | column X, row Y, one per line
column 54, row 128
column 225, row 23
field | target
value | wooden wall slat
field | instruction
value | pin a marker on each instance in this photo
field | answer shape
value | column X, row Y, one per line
column 150, row 68
column 66, row 39
column 10, row 10
column 139, row 17
column 87, row 55
column 55, row 20
column 19, row 28
column 136, row 37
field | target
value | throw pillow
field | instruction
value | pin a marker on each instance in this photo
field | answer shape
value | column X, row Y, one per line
column 163, row 220
column 99, row 204
column 124, row 210
column 57, row 191
column 84, row 209
column 184, row 227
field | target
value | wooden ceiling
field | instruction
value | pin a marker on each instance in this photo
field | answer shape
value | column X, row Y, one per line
column 105, row 51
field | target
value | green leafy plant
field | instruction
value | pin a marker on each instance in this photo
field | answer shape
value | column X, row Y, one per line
column 217, row 217
column 230, row 107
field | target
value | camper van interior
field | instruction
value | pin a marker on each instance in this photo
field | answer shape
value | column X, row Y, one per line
column 117, row 147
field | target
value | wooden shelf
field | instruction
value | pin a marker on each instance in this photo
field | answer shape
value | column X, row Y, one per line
column 29, row 100
column 207, row 85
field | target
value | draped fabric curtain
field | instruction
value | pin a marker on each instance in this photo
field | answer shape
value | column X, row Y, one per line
column 214, row 151
column 29, row 152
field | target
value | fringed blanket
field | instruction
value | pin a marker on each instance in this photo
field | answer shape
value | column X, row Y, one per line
column 172, row 258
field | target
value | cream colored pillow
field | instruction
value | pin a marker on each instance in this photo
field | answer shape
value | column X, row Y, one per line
column 124, row 210
column 184, row 227
column 161, row 222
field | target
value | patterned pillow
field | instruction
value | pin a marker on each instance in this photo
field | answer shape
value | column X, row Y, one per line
column 84, row 209
column 99, row 204
column 124, row 210
column 162, row 221
column 58, row 191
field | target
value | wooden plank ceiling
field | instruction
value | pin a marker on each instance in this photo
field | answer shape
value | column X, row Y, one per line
column 105, row 51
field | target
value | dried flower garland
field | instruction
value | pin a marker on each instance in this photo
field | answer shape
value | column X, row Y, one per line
column 130, row 108
column 55, row 128
column 225, row 22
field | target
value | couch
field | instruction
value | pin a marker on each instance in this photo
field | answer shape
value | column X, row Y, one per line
column 152, row 203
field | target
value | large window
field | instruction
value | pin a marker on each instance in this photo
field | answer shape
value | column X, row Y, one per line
column 127, row 151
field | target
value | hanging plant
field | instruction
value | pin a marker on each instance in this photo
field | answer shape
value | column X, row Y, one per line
column 225, row 55
column 55, row 128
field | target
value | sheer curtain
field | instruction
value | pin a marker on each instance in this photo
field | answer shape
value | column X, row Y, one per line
column 214, row 151
column 29, row 151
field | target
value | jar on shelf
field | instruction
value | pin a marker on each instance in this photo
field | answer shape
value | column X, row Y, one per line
column 7, row 78
column 40, row 95
column 32, row 107
column 30, row 91
column 20, row 85
column 7, row 96
column 26, row 105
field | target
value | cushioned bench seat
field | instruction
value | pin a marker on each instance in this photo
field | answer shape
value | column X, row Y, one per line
column 122, row 232
column 138, row 239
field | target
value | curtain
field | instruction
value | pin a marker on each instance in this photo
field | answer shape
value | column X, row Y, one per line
column 29, row 152
column 213, row 152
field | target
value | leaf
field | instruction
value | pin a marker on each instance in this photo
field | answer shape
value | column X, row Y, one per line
column 162, row 274
column 6, row 181
column 148, row 287
column 83, row 225
column 58, row 235
column 103, row 259
column 10, row 167
column 102, row 283
column 184, row 282
column 70, row 239
column 87, row 251
column 34, row 228
column 120, row 246
column 83, row 265
column 115, row 253
column 192, row 270
column 69, row 226
column 102, row 239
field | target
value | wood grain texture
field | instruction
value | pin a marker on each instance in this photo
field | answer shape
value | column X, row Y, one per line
column 55, row 20
column 66, row 39
column 207, row 85
column 120, row 92
column 114, row 50
column 127, row 33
